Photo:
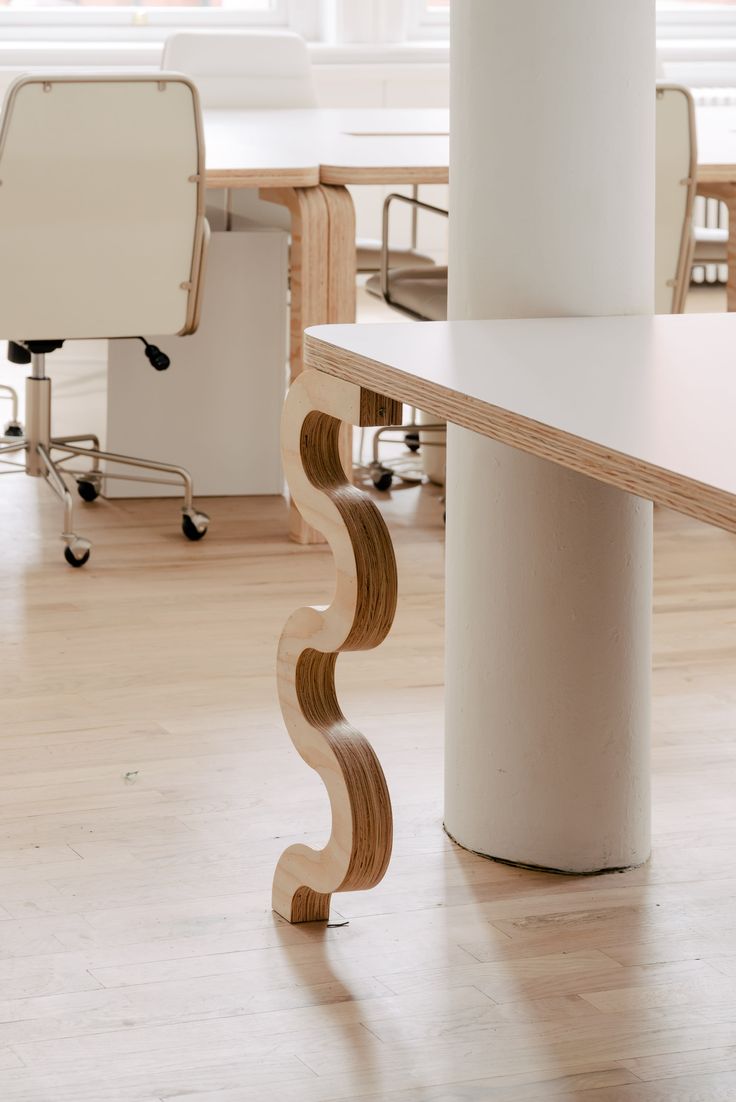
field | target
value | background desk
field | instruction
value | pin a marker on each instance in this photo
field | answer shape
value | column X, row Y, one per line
column 303, row 160
column 228, row 379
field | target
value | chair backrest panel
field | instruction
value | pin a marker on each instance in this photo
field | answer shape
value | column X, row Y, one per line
column 676, row 154
column 244, row 69
column 101, row 206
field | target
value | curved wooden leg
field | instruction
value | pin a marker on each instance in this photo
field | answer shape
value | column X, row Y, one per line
column 308, row 274
column 360, row 616
column 341, row 287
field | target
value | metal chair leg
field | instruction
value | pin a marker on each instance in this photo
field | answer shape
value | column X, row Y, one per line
column 194, row 523
column 13, row 427
column 77, row 549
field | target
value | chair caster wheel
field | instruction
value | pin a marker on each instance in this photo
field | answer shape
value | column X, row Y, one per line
column 194, row 525
column 411, row 439
column 88, row 488
column 77, row 551
column 13, row 429
column 382, row 477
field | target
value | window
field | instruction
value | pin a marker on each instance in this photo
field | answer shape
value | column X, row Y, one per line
column 87, row 18
column 695, row 16
column 429, row 19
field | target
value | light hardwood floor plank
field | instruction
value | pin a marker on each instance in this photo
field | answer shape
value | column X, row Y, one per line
column 142, row 769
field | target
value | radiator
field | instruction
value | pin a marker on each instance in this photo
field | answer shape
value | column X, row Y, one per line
column 709, row 212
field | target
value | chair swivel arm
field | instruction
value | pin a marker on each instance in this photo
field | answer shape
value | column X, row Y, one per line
column 416, row 205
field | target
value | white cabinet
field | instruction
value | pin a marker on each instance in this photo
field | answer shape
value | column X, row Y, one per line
column 216, row 410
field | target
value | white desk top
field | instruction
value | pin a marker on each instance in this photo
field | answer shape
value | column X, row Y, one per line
column 300, row 148
column 644, row 403
column 379, row 145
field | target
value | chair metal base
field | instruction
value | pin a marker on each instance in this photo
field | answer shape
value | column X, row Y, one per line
column 42, row 460
column 409, row 468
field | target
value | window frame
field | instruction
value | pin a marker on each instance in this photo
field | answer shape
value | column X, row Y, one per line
column 424, row 23
column 694, row 20
column 140, row 24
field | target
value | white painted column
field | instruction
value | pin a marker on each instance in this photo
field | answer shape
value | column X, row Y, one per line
column 548, row 572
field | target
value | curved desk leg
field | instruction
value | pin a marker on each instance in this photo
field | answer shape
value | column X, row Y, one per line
column 322, row 270
column 360, row 616
column 726, row 192
column 308, row 270
column 341, row 289
column 342, row 260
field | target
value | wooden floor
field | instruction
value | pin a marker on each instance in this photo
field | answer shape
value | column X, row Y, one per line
column 143, row 776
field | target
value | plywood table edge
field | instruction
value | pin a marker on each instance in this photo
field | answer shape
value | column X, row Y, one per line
column 384, row 174
column 646, row 480
column 262, row 177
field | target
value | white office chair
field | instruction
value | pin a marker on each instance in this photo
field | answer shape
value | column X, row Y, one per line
column 676, row 182
column 102, row 235
column 239, row 69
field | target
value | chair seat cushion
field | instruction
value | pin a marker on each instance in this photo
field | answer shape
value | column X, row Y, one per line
column 711, row 245
column 423, row 291
column 368, row 257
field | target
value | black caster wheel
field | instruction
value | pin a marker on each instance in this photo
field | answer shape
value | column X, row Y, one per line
column 382, row 479
column 72, row 559
column 88, row 491
column 14, row 429
column 194, row 528
column 411, row 439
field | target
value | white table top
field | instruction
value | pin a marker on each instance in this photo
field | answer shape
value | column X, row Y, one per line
column 379, row 145
column 644, row 403
column 273, row 148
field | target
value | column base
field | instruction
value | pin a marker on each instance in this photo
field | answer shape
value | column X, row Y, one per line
column 543, row 868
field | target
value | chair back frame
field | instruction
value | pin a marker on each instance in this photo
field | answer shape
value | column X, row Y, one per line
column 47, row 81
column 681, row 277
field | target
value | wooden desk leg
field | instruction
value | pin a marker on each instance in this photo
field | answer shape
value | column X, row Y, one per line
column 726, row 192
column 322, row 270
column 359, row 618
column 309, row 270
column 341, row 290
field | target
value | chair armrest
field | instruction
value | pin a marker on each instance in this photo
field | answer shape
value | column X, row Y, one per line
column 416, row 204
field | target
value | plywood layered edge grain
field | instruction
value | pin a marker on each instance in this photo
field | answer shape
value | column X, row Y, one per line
column 261, row 177
column 384, row 174
column 357, row 853
column 636, row 476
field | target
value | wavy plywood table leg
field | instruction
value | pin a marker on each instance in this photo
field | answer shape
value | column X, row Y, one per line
column 309, row 272
column 359, row 618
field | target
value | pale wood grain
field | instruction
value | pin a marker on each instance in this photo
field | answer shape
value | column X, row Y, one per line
column 162, row 662
column 309, row 267
column 390, row 173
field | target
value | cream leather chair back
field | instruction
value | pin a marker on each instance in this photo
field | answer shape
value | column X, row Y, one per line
column 244, row 69
column 102, row 228
column 675, row 193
